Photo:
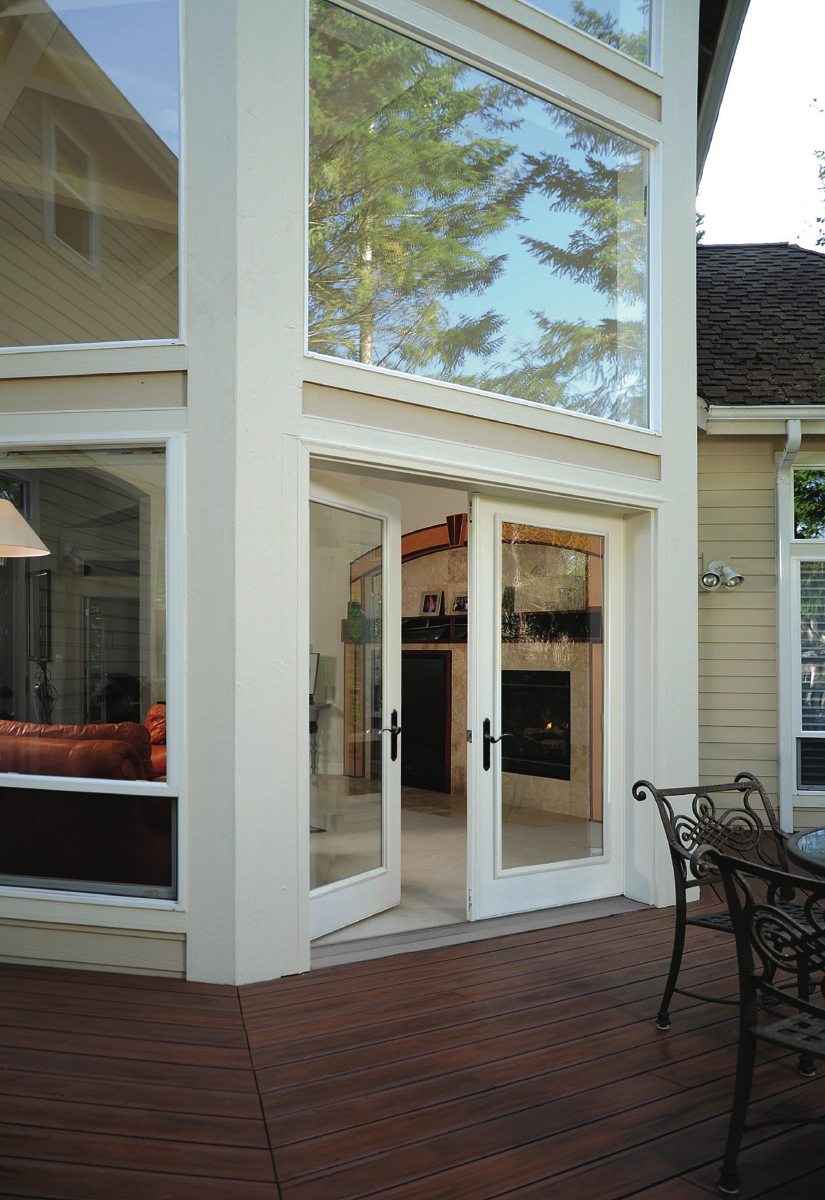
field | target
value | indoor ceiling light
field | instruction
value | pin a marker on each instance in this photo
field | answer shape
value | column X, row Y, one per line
column 17, row 538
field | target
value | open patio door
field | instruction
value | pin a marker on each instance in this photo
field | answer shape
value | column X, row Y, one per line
column 544, row 763
column 355, row 699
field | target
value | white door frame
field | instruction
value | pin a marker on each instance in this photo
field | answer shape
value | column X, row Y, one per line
column 346, row 901
column 492, row 890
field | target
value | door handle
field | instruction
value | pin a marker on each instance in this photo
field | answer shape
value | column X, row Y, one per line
column 394, row 731
column 489, row 741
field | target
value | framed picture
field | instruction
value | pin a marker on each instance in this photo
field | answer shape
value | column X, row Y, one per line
column 431, row 604
column 458, row 604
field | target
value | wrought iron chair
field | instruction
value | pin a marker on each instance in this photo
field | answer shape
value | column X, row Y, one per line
column 739, row 831
column 781, row 967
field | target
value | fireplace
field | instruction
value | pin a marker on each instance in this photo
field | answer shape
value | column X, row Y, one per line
column 535, row 710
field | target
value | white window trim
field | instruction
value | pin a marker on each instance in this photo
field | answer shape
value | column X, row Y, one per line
column 174, row 787
column 790, row 553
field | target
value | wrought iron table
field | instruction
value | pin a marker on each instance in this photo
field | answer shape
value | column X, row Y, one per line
column 807, row 849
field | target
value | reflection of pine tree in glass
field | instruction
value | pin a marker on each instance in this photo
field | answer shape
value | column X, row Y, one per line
column 400, row 206
column 415, row 172
column 809, row 504
column 606, row 27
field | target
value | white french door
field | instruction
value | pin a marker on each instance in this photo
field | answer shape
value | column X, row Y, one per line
column 545, row 708
column 355, row 694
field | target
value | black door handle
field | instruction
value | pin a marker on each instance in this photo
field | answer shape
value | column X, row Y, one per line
column 394, row 731
column 489, row 741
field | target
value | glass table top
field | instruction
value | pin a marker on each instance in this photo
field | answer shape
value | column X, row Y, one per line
column 812, row 844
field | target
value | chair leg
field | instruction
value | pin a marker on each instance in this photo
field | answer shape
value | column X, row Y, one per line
column 663, row 1015
column 728, row 1178
column 806, row 1066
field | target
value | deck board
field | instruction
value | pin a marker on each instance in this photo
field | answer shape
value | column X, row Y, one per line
column 521, row 1067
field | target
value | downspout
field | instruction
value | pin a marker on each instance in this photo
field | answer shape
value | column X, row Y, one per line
column 785, row 665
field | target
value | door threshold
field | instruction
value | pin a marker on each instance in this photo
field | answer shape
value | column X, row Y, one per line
column 385, row 945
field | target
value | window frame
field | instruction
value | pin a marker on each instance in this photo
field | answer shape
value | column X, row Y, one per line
column 173, row 441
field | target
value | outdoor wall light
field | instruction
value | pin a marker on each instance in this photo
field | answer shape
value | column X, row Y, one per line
column 717, row 575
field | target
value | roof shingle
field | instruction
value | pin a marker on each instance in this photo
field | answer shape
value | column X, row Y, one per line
column 761, row 324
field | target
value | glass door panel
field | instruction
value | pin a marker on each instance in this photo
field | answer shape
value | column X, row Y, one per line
column 345, row 768
column 552, row 695
column 354, row 761
column 546, row 708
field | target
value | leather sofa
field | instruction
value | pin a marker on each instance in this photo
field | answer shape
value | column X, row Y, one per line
column 124, row 750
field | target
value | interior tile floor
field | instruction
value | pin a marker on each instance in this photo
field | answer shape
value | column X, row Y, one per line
column 434, row 858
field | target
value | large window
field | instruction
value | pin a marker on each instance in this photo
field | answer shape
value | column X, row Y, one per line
column 89, row 194
column 83, row 674
column 464, row 230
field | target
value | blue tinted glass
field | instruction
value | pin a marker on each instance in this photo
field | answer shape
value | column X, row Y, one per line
column 623, row 24
column 464, row 230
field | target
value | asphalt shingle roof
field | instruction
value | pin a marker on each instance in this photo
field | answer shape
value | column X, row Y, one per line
column 761, row 324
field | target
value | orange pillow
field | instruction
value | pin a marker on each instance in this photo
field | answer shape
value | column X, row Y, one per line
column 156, row 724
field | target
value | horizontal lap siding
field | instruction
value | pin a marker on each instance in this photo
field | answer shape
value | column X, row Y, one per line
column 737, row 628
column 93, row 948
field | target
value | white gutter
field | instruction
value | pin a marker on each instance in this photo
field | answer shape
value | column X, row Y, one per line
column 785, row 667
column 763, row 418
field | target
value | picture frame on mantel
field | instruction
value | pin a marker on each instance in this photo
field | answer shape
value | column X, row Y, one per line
column 431, row 604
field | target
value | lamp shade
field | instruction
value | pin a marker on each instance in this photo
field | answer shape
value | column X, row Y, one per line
column 17, row 538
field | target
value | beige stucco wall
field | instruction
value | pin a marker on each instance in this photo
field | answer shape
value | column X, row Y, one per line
column 737, row 627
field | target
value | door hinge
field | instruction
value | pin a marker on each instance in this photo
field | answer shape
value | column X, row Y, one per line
column 469, row 735
column 470, row 900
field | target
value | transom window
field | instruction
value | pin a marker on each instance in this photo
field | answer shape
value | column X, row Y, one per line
column 623, row 24
column 465, row 230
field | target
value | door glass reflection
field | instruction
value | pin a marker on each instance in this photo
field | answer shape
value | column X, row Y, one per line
column 346, row 578
column 552, row 704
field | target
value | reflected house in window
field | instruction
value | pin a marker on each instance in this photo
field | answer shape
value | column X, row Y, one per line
column 89, row 196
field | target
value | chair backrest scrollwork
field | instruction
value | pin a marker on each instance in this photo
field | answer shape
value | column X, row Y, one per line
column 737, row 829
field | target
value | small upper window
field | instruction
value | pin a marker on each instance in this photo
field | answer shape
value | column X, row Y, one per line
column 72, row 215
column 623, row 24
column 465, row 230
column 809, row 504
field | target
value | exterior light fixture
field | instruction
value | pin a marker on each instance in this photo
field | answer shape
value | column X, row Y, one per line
column 17, row 538
column 718, row 575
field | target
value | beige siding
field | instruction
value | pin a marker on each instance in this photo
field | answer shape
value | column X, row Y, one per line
column 93, row 948
column 737, row 628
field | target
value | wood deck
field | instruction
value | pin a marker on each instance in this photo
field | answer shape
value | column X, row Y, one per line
column 526, row 1066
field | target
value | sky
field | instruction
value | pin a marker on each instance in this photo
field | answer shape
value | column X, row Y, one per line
column 136, row 44
column 760, row 182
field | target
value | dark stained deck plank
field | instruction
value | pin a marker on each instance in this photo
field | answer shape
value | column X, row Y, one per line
column 180, row 1157
column 32, row 1179
column 127, row 1092
column 169, row 1124
column 57, row 1019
